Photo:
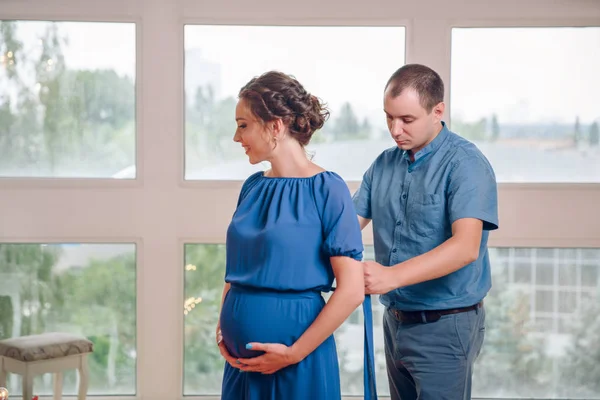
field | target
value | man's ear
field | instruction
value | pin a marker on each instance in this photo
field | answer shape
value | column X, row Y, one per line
column 438, row 111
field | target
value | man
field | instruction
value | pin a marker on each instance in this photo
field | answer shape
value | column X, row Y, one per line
column 433, row 200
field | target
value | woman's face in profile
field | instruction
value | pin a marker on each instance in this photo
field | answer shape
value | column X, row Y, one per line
column 252, row 134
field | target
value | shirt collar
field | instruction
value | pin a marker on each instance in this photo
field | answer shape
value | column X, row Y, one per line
column 431, row 147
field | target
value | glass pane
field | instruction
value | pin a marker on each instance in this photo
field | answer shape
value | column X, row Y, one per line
column 527, row 98
column 546, row 254
column 203, row 363
column 543, row 351
column 67, row 99
column 524, row 253
column 544, row 274
column 347, row 67
column 568, row 255
column 589, row 273
column 544, row 324
column 567, row 301
column 590, row 254
column 530, row 347
column 350, row 345
column 544, row 301
column 85, row 289
column 522, row 272
column 567, row 274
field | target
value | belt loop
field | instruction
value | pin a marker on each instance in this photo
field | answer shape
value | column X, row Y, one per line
column 423, row 317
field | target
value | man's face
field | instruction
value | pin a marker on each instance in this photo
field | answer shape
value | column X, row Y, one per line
column 410, row 125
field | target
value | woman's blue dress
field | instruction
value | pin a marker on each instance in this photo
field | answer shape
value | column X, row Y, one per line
column 278, row 246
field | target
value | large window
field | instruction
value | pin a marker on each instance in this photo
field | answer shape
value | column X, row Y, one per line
column 534, row 344
column 346, row 67
column 203, row 363
column 116, row 126
column 85, row 289
column 542, row 325
column 67, row 99
column 528, row 98
column 204, row 273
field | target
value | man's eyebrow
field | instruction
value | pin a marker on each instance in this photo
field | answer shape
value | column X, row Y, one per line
column 401, row 116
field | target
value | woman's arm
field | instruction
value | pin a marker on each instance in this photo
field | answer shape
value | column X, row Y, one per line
column 348, row 295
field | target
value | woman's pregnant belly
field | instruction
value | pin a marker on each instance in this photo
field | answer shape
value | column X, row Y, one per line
column 266, row 317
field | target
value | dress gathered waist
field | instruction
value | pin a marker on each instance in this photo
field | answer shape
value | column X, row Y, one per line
column 293, row 294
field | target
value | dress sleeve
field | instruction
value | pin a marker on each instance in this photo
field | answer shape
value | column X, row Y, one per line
column 341, row 231
column 247, row 185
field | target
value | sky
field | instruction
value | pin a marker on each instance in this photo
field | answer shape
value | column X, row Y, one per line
column 525, row 75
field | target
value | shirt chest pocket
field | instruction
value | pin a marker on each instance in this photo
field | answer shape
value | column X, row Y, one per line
column 426, row 213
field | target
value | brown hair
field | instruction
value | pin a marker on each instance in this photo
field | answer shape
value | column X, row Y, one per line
column 275, row 95
column 425, row 81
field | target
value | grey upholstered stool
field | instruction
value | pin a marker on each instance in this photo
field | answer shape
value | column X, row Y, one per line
column 46, row 353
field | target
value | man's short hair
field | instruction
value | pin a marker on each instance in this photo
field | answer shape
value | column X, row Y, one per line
column 422, row 79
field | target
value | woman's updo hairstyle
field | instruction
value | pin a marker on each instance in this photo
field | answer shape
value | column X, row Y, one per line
column 275, row 95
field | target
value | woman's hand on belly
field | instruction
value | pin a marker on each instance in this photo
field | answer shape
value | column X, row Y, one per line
column 276, row 356
column 234, row 362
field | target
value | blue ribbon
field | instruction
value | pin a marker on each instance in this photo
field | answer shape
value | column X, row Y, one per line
column 369, row 362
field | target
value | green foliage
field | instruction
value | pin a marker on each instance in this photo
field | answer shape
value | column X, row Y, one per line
column 97, row 300
column 68, row 119
column 210, row 126
column 577, row 131
column 475, row 131
column 203, row 280
column 510, row 354
column 495, row 128
column 594, row 135
column 581, row 368
column 347, row 127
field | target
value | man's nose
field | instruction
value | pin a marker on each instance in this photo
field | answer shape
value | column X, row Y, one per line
column 396, row 128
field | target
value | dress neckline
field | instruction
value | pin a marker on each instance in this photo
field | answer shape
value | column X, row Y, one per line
column 293, row 177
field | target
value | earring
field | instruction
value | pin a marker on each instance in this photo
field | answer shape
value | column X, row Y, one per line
column 274, row 142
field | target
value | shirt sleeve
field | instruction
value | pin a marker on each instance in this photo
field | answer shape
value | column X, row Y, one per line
column 472, row 192
column 341, row 232
column 362, row 197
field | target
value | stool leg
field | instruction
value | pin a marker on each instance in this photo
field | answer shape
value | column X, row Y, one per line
column 2, row 373
column 58, row 383
column 83, row 378
column 27, row 386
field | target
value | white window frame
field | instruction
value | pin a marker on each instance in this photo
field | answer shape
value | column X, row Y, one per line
column 159, row 211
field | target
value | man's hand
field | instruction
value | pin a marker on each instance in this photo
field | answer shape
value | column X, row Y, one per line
column 379, row 279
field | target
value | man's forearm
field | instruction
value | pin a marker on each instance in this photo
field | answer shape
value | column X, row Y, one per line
column 448, row 257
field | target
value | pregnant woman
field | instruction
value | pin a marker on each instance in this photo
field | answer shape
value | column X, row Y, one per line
column 294, row 230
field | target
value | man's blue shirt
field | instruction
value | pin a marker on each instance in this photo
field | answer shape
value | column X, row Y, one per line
column 413, row 205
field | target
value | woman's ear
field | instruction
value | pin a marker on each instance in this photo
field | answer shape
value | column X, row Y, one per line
column 277, row 127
